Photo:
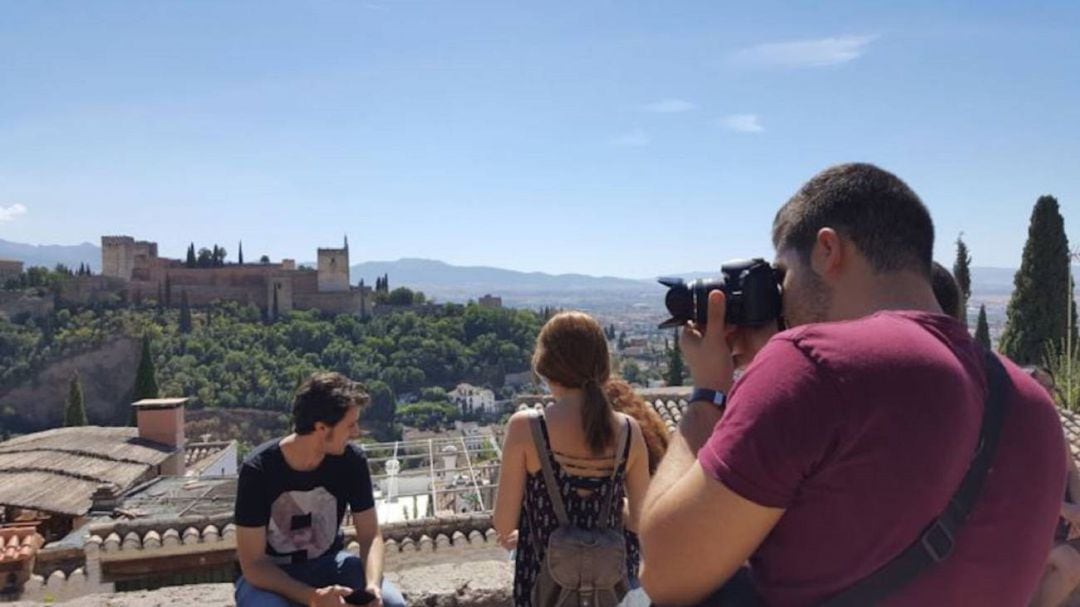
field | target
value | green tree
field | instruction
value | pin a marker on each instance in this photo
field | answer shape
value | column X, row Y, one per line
column 982, row 329
column 383, row 402
column 428, row 416
column 434, row 394
column 404, row 296
column 1041, row 303
column 240, row 253
column 146, row 385
column 676, row 371
column 75, row 411
column 962, row 273
column 631, row 372
column 191, row 262
column 185, row 314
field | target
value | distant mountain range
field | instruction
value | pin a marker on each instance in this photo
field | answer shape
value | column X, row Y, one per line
column 50, row 255
column 447, row 282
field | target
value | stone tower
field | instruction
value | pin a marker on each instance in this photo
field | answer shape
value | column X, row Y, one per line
column 334, row 269
column 117, row 256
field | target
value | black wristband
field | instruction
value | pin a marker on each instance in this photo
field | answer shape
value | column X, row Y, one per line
column 716, row 397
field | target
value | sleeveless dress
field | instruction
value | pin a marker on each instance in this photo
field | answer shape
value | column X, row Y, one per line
column 538, row 519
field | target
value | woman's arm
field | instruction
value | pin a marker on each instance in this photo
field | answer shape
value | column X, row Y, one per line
column 511, row 479
column 637, row 476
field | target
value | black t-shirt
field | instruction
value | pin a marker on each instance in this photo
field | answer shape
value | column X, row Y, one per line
column 301, row 511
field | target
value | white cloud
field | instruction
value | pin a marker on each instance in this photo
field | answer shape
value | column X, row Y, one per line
column 634, row 138
column 10, row 213
column 669, row 106
column 803, row 53
column 742, row 123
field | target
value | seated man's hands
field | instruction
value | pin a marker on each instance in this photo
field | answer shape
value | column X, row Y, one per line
column 329, row 595
column 376, row 591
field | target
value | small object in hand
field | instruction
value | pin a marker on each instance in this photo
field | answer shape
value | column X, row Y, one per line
column 359, row 597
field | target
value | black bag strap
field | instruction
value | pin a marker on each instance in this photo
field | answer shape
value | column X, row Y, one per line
column 937, row 541
column 620, row 447
column 535, row 419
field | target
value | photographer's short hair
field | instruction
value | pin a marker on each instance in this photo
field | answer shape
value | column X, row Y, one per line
column 325, row 397
column 867, row 205
column 947, row 292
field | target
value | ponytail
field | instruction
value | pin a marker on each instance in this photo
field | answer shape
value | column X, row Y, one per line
column 596, row 417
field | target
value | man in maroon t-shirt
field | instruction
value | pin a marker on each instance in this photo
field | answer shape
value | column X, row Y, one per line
column 849, row 433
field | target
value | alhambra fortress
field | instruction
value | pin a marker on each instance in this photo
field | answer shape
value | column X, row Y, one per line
column 133, row 268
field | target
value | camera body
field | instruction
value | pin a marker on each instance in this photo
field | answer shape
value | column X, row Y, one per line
column 752, row 288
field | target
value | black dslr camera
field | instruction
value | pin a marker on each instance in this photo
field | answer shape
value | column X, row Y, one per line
column 752, row 288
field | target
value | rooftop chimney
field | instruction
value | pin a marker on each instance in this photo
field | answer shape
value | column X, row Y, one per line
column 162, row 420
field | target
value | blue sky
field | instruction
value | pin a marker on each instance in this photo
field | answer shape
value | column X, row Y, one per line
column 617, row 138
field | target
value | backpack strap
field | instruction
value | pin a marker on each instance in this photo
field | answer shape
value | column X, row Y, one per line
column 937, row 541
column 535, row 420
column 621, row 446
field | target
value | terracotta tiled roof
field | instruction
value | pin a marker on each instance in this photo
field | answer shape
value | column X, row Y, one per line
column 18, row 544
column 119, row 444
column 59, row 470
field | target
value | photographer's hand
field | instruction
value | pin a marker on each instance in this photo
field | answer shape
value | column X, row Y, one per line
column 707, row 353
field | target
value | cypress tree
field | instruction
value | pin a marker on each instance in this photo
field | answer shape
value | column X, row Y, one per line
column 962, row 273
column 185, row 313
column 240, row 253
column 1042, row 302
column 191, row 262
column 75, row 411
column 168, row 291
column 676, row 369
column 982, row 329
column 145, row 377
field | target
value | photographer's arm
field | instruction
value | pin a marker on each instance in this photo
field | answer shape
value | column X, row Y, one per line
column 684, row 505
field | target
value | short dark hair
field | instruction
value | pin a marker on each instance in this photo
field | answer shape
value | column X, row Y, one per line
column 325, row 397
column 867, row 205
column 947, row 292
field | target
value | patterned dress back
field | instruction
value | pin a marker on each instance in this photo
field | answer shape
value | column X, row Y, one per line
column 538, row 519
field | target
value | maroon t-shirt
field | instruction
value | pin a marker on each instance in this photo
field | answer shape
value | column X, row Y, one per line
column 862, row 431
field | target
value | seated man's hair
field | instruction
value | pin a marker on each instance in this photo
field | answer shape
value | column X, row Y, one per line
column 325, row 397
column 947, row 292
column 869, row 206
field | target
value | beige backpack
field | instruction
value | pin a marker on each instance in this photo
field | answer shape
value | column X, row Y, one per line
column 582, row 567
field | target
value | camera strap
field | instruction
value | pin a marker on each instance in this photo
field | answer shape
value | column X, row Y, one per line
column 935, row 544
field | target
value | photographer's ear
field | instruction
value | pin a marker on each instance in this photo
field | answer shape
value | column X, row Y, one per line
column 828, row 255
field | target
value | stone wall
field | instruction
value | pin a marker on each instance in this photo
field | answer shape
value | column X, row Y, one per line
column 16, row 303
column 333, row 268
column 447, row 562
column 117, row 256
column 9, row 269
column 87, row 290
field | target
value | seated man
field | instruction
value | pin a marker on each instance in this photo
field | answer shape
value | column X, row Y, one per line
column 290, row 501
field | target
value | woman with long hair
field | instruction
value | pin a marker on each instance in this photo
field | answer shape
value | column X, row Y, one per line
column 579, row 433
column 623, row 399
